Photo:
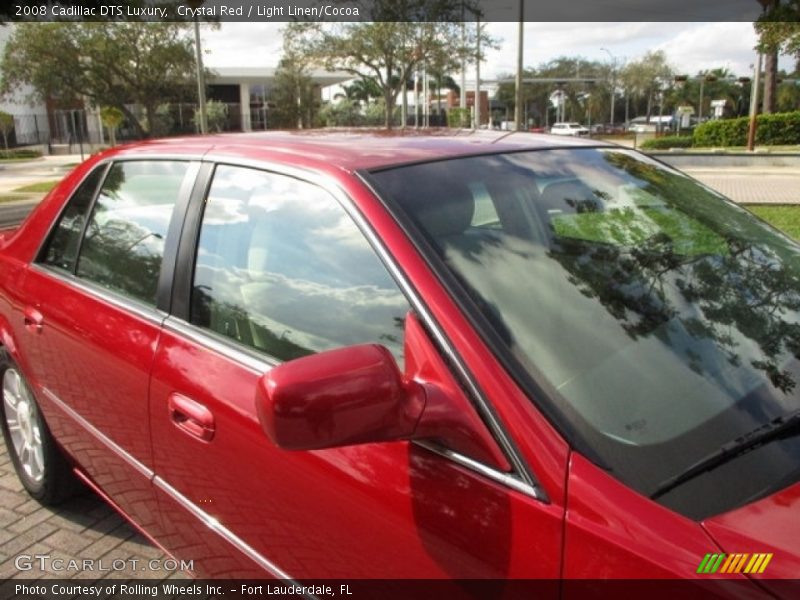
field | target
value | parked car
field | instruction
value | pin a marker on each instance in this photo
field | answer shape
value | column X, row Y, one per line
column 608, row 129
column 575, row 129
column 334, row 355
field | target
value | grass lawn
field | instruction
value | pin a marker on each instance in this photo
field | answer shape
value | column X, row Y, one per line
column 785, row 217
column 41, row 187
column 13, row 197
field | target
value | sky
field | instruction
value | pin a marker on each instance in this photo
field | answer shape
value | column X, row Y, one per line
column 690, row 47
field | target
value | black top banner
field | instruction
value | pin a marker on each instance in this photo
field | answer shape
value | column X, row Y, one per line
column 263, row 11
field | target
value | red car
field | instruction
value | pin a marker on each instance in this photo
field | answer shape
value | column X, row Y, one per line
column 321, row 355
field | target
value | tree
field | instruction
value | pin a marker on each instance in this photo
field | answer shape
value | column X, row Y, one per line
column 363, row 90
column 293, row 95
column 778, row 32
column 112, row 118
column 109, row 64
column 216, row 116
column 583, row 99
column 386, row 51
column 6, row 127
column 645, row 77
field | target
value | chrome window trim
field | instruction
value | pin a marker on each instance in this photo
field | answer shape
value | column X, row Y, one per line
column 146, row 471
column 135, row 307
column 500, row 477
column 253, row 360
column 521, row 476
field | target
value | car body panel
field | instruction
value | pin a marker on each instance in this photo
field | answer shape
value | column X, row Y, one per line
column 769, row 525
column 320, row 513
column 603, row 541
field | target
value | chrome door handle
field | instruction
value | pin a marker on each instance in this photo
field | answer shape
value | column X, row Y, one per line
column 33, row 319
column 191, row 417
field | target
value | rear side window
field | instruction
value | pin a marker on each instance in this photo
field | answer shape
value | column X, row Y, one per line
column 283, row 269
column 62, row 250
column 124, row 242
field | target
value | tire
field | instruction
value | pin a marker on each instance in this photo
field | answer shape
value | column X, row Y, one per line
column 39, row 462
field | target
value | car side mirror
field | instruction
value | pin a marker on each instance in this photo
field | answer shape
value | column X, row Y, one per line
column 357, row 395
column 342, row 397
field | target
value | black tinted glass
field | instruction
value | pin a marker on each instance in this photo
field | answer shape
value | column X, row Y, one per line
column 124, row 241
column 282, row 268
column 63, row 247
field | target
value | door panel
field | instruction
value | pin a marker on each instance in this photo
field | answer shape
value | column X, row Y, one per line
column 376, row 510
column 96, row 357
column 92, row 324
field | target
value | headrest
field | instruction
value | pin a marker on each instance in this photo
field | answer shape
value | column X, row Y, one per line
column 443, row 208
column 569, row 194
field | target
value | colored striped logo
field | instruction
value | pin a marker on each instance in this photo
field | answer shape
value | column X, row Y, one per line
column 734, row 563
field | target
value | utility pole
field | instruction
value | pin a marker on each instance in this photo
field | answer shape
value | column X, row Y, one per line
column 463, row 91
column 201, row 83
column 476, row 123
column 518, row 83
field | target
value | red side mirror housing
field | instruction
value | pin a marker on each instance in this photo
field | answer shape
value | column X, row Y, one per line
column 348, row 396
column 357, row 395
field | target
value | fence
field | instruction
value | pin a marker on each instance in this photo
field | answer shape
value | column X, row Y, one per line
column 76, row 128
column 71, row 130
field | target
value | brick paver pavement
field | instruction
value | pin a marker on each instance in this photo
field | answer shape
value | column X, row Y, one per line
column 82, row 528
column 777, row 185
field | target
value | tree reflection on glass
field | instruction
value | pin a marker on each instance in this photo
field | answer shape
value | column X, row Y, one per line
column 745, row 289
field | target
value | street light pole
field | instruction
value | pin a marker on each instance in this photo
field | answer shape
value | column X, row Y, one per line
column 476, row 124
column 518, row 88
column 613, row 82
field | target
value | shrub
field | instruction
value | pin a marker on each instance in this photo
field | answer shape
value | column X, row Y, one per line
column 20, row 153
column 670, row 141
column 458, row 117
column 774, row 129
column 345, row 113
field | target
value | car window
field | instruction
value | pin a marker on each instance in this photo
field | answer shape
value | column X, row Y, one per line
column 62, row 249
column 124, row 242
column 661, row 321
column 283, row 269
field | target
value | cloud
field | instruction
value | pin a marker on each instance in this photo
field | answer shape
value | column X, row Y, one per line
column 690, row 47
column 243, row 45
column 703, row 46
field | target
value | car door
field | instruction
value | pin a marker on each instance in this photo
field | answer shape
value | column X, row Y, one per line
column 93, row 294
column 281, row 271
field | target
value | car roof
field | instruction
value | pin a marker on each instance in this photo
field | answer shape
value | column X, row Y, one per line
column 358, row 149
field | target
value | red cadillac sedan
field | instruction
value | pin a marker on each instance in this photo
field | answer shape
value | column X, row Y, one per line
column 360, row 355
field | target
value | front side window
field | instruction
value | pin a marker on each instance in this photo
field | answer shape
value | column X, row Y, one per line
column 657, row 321
column 283, row 269
column 124, row 241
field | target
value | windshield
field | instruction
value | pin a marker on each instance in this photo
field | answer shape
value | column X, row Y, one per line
column 655, row 319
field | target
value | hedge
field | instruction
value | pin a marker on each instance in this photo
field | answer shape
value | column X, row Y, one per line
column 771, row 130
column 670, row 141
column 19, row 153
